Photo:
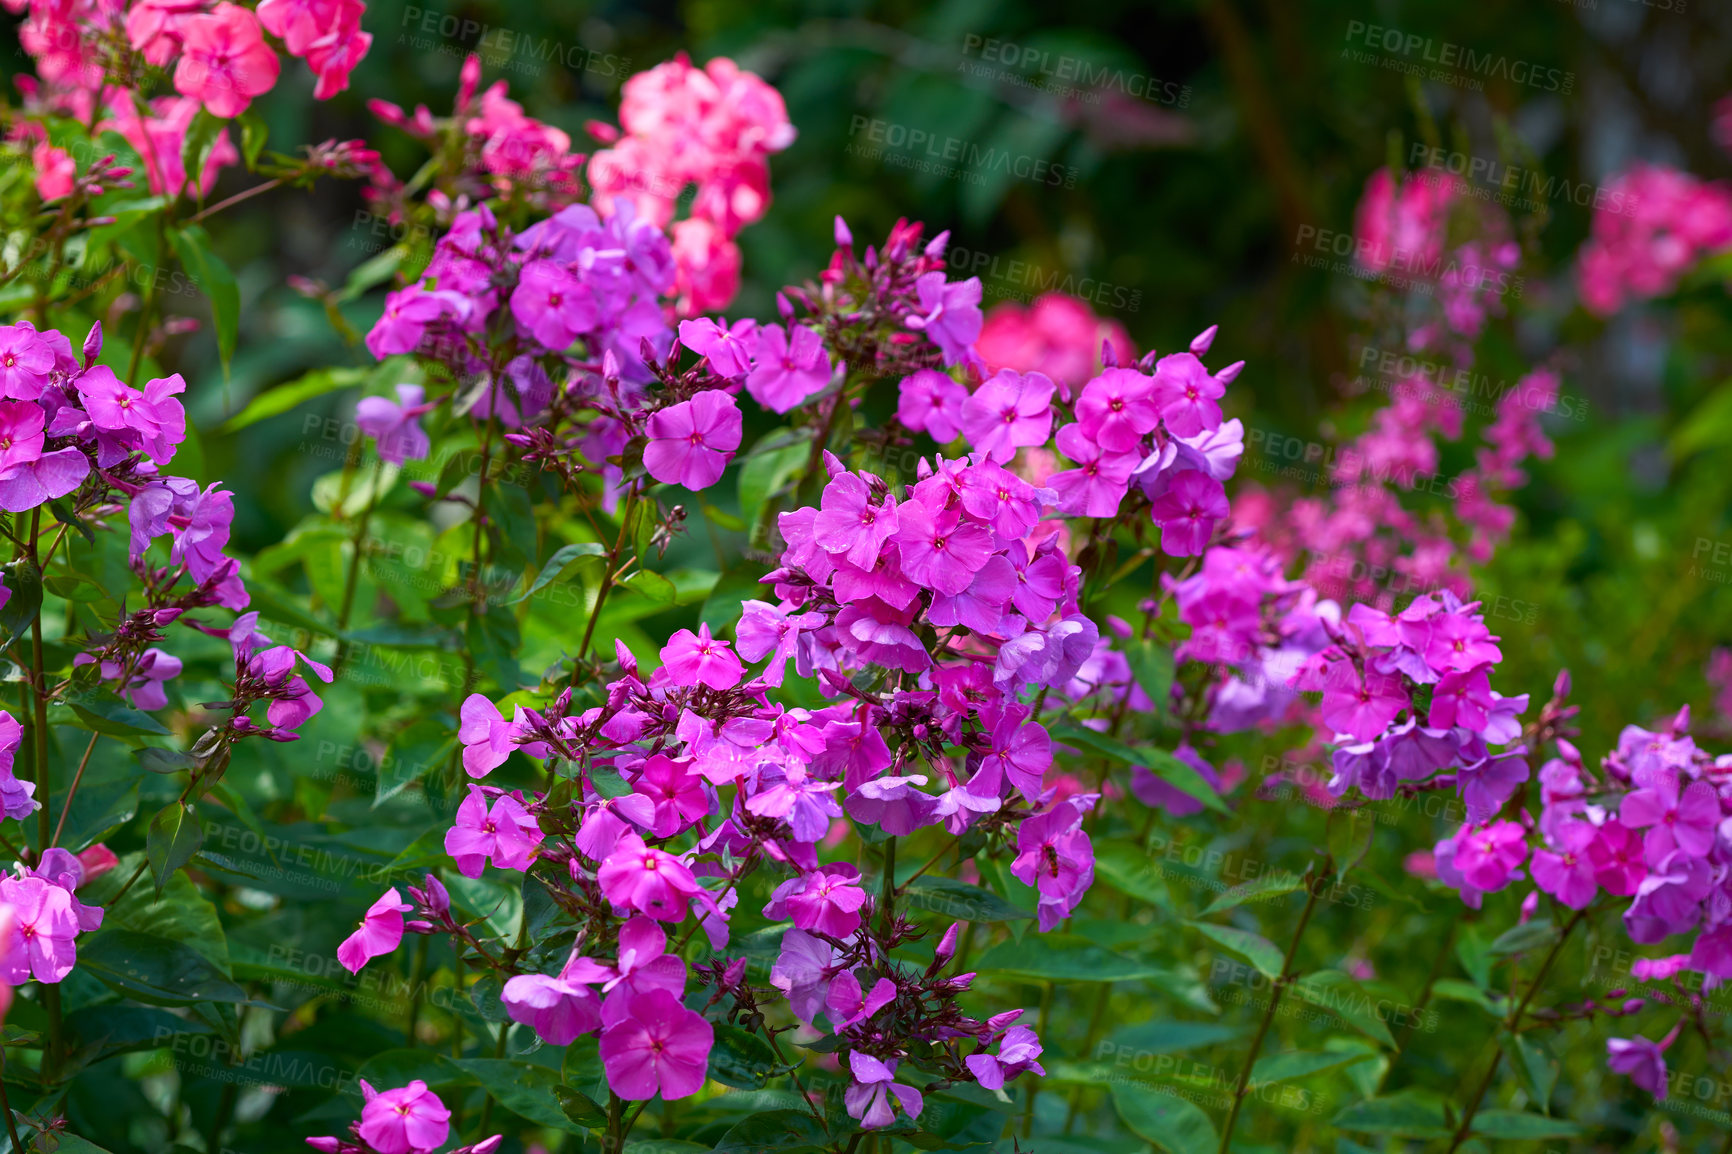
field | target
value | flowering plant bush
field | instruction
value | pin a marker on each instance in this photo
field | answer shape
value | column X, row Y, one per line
column 679, row 730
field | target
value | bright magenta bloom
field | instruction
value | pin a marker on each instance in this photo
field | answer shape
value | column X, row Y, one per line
column 697, row 658
column 659, row 1048
column 381, row 932
column 43, row 930
column 691, row 442
column 405, row 1121
column 506, row 834
column 647, row 880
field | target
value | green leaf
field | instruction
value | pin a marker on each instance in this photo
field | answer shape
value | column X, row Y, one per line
column 1130, row 871
column 1710, row 423
column 763, row 474
column 721, row 608
column 1535, row 1066
column 652, row 585
column 1350, row 835
column 1400, row 1115
column 1163, row 1119
column 780, row 1130
column 608, row 782
column 193, row 245
column 253, row 134
column 98, row 809
column 1162, row 764
column 1254, row 948
column 1270, row 885
column 1170, row 1037
column 1063, row 958
column 195, row 150
column 580, row 1108
column 424, row 746
column 154, row 970
column 1456, row 990
column 103, row 711
column 391, row 1068
column 173, row 838
column 1518, row 1126
column 24, row 580
column 526, row 1090
column 742, row 1059
column 1338, row 993
column 1297, row 1064
column 724, row 520
column 1152, row 666
column 274, row 402
column 1520, row 939
column 959, row 901
column 348, row 495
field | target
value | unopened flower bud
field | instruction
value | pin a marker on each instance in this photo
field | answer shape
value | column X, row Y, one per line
column 92, row 344
column 97, row 860
column 1109, row 355
column 936, row 246
column 947, row 944
column 1231, row 373
column 328, row 1145
column 1561, row 685
column 735, row 973
column 844, row 238
column 419, row 927
column 438, row 900
column 1201, row 342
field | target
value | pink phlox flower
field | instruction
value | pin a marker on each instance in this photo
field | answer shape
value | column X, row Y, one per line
column 649, row 880
column 691, row 443
column 931, row 402
column 224, row 60
column 656, row 1046
column 950, row 315
column 1010, row 411
column 380, row 933
column 1018, row 1050
column 411, row 1120
column 678, row 794
column 504, row 834
column 790, row 365
column 1487, row 856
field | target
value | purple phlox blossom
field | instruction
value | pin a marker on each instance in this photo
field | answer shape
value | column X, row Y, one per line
column 790, row 365
column 648, row 880
column 827, row 900
column 728, row 350
column 690, row 659
column 1156, row 793
column 1682, row 819
column 1018, row 1050
column 25, row 362
column 61, row 867
column 44, row 926
column 1563, row 868
column 396, row 425
column 1487, row 856
column 803, row 972
column 488, row 739
column 1010, row 411
column 931, row 402
column 868, row 1098
column 677, row 794
column 949, row 315
column 505, row 834
column 17, row 798
column 1055, row 857
column 847, row 1006
column 767, row 630
column 1187, row 394
column 1486, row 785
column 851, row 522
column 895, row 804
column 1644, row 1062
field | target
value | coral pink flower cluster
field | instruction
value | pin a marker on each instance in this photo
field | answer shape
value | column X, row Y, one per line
column 713, row 127
column 1057, row 336
column 221, row 62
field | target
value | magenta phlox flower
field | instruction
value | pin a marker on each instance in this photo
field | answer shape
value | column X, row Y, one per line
column 410, row 1120
column 381, row 932
column 868, row 1099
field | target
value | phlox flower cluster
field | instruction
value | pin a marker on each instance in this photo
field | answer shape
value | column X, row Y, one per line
column 503, row 152
column 1651, row 829
column 713, row 127
column 1407, row 704
column 221, row 57
column 1672, row 221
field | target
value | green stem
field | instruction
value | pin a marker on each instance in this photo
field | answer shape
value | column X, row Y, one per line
column 6, row 1108
column 1510, row 1023
column 419, row 976
column 487, row 1106
column 606, row 579
column 72, row 791
column 1276, row 989
column 353, row 580
column 1034, row 1086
